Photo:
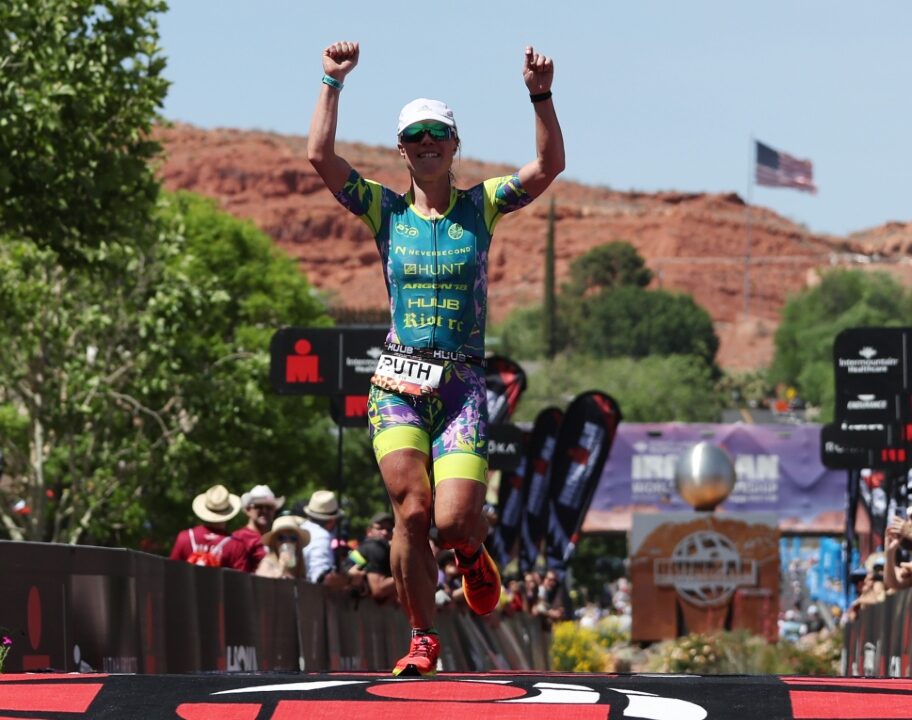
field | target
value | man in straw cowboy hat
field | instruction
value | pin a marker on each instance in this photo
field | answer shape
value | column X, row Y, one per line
column 323, row 514
column 210, row 543
column 261, row 505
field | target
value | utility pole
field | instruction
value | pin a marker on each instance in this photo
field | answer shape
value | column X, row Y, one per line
column 550, row 309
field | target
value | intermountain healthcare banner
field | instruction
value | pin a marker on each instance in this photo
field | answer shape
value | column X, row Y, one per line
column 778, row 470
column 539, row 453
column 583, row 445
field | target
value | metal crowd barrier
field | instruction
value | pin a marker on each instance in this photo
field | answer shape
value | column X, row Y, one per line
column 88, row 609
column 878, row 643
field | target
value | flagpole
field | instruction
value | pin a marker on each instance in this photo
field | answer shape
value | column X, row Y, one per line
column 747, row 238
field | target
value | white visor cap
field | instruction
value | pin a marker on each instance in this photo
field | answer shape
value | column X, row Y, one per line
column 423, row 109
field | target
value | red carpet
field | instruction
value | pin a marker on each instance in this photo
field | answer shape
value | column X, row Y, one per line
column 490, row 696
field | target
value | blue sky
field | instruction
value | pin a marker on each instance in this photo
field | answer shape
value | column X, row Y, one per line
column 652, row 95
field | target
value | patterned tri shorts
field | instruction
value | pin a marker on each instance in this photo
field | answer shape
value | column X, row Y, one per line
column 451, row 426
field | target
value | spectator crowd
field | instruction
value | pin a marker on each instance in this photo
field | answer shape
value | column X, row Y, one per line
column 304, row 543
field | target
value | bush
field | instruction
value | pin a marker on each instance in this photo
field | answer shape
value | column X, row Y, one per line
column 745, row 654
column 576, row 649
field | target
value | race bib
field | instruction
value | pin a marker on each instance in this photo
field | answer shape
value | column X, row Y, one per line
column 407, row 375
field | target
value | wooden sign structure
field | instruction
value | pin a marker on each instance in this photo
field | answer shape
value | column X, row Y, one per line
column 704, row 572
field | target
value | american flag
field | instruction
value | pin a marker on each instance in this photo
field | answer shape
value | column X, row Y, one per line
column 778, row 169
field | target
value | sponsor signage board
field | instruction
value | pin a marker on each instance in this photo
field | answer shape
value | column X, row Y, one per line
column 324, row 361
column 867, row 358
column 837, row 455
column 872, row 374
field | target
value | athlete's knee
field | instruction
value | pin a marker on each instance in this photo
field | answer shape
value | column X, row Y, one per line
column 413, row 520
column 461, row 530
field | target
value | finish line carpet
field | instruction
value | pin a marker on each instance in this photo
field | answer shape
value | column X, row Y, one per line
column 456, row 696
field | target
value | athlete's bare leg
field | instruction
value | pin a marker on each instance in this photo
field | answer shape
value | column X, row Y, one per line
column 405, row 474
column 461, row 525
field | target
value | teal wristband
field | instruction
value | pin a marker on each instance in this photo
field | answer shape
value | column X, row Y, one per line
column 332, row 82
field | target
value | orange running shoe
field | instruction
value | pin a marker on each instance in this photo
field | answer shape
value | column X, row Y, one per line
column 421, row 660
column 481, row 583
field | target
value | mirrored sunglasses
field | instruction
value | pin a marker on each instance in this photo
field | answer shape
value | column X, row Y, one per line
column 415, row 133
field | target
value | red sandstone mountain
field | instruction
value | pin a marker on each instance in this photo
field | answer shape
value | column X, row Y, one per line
column 693, row 242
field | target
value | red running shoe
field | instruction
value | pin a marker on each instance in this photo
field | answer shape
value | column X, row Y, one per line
column 421, row 660
column 481, row 583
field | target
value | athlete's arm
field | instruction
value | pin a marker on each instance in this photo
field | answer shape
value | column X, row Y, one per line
column 536, row 176
column 339, row 59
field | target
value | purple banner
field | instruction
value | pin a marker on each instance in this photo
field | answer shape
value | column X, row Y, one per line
column 778, row 470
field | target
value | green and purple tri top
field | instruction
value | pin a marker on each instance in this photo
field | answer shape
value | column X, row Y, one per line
column 435, row 269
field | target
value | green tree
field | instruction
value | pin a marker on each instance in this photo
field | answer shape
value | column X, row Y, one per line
column 243, row 433
column 91, row 392
column 120, row 402
column 80, row 85
column 606, row 311
column 135, row 325
column 635, row 322
column 607, row 267
column 652, row 389
column 812, row 319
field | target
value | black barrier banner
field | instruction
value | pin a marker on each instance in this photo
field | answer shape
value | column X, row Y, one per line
column 505, row 381
column 33, row 606
column 539, row 454
column 583, row 445
column 312, row 626
column 276, row 624
column 71, row 609
column 183, row 641
column 102, row 615
column 241, row 636
column 149, row 573
column 511, row 501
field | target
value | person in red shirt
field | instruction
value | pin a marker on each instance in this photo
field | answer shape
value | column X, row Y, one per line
column 261, row 506
column 210, row 543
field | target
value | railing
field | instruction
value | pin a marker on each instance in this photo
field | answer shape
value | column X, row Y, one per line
column 88, row 609
column 879, row 641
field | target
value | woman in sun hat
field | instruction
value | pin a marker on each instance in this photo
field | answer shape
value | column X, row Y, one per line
column 284, row 545
column 427, row 407
column 210, row 543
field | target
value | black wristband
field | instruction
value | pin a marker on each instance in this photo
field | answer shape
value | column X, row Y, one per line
column 540, row 97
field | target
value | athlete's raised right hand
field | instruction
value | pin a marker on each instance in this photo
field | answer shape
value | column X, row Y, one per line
column 340, row 58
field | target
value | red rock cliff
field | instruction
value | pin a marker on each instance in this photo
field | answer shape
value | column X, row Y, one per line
column 693, row 242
